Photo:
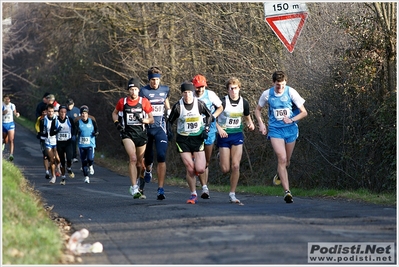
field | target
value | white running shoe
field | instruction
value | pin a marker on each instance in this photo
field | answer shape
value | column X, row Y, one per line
column 87, row 180
column 134, row 191
column 233, row 199
column 91, row 170
column 52, row 181
column 205, row 193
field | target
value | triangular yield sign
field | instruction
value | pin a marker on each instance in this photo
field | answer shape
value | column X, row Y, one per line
column 288, row 28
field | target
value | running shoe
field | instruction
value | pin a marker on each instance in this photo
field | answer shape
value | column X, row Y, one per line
column 74, row 160
column 47, row 175
column 192, row 199
column 276, row 180
column 70, row 173
column 288, row 197
column 57, row 173
column 91, row 170
column 142, row 194
column 11, row 157
column 87, row 180
column 147, row 176
column 161, row 194
column 233, row 199
column 63, row 180
column 134, row 191
column 52, row 181
column 205, row 194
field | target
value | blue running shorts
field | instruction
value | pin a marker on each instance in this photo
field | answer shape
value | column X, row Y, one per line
column 288, row 133
column 8, row 126
column 233, row 139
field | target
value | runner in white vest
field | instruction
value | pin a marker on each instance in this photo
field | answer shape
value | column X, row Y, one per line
column 9, row 111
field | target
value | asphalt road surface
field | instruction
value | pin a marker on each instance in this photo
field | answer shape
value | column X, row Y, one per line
column 264, row 231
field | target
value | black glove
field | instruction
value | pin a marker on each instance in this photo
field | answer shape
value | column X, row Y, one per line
column 138, row 117
column 59, row 129
column 205, row 132
column 119, row 126
column 169, row 131
column 38, row 135
column 95, row 134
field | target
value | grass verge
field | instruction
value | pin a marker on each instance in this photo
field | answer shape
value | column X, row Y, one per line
column 27, row 230
column 26, row 123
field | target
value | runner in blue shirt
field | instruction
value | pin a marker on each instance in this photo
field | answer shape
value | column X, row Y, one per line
column 86, row 131
column 158, row 95
column 283, row 128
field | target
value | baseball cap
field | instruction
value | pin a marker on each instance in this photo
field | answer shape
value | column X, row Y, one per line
column 70, row 102
column 51, row 97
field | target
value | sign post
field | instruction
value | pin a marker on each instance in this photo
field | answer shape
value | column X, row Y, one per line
column 286, row 20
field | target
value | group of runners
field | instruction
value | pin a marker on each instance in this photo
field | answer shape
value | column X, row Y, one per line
column 145, row 118
column 62, row 129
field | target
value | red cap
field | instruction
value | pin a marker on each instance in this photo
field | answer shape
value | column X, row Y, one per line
column 199, row 81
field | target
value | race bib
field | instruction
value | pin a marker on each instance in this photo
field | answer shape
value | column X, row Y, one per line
column 280, row 113
column 84, row 140
column 158, row 110
column 64, row 136
column 192, row 125
column 233, row 122
column 131, row 119
column 7, row 118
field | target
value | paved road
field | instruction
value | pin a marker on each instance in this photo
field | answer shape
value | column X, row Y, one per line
column 265, row 230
